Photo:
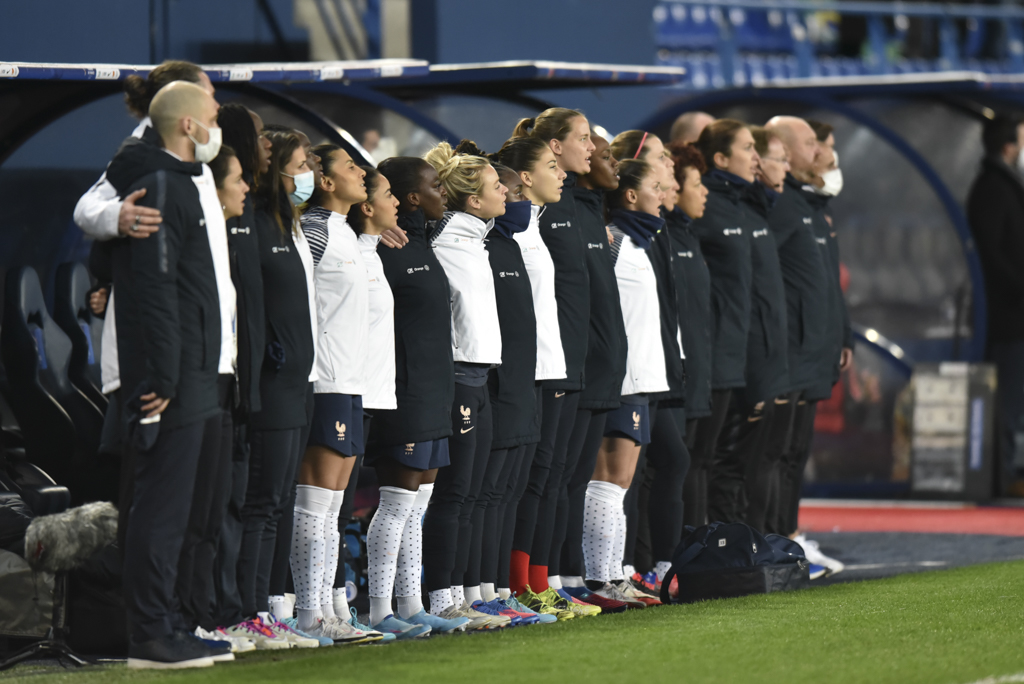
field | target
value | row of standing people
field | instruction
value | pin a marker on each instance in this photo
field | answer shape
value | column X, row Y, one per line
column 500, row 364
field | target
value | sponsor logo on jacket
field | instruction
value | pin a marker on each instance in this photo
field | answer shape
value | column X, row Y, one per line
column 417, row 269
column 688, row 255
column 595, row 245
column 732, row 231
column 275, row 250
column 807, row 220
column 567, row 224
column 760, row 233
column 820, row 241
column 510, row 274
column 236, row 230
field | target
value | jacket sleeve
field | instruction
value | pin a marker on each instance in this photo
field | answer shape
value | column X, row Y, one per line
column 1000, row 244
column 154, row 265
column 98, row 210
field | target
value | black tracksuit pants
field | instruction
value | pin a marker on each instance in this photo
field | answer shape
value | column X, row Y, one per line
column 447, row 524
column 668, row 460
column 274, row 459
column 705, row 438
column 762, row 482
column 197, row 576
column 571, row 563
column 485, row 539
column 229, row 598
column 541, row 498
column 162, row 489
column 514, row 489
column 786, row 511
column 574, row 451
column 741, row 442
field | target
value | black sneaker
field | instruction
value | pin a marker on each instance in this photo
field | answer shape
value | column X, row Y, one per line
column 220, row 651
column 176, row 651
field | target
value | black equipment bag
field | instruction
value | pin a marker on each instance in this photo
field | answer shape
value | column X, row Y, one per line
column 723, row 560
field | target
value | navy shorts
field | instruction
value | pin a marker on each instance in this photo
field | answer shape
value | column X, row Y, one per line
column 417, row 455
column 632, row 421
column 338, row 423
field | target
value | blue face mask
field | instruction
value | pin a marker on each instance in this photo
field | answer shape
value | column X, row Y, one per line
column 303, row 186
column 516, row 218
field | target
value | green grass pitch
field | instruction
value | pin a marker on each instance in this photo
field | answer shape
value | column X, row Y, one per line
column 952, row 626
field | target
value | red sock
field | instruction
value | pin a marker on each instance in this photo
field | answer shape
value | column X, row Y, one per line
column 519, row 572
column 539, row 578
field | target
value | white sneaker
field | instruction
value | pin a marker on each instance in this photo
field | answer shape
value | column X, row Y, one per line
column 815, row 556
column 264, row 638
column 238, row 644
column 342, row 632
column 285, row 632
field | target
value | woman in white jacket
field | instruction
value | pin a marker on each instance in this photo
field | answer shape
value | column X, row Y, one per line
column 475, row 197
column 336, row 432
column 635, row 219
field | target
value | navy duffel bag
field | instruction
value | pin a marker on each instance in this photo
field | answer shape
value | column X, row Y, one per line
column 723, row 560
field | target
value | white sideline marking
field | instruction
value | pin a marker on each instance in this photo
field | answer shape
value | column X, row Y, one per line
column 1005, row 679
column 908, row 564
column 861, row 503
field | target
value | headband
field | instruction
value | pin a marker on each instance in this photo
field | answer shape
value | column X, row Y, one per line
column 639, row 149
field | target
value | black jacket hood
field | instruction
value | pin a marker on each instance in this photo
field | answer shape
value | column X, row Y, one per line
column 140, row 156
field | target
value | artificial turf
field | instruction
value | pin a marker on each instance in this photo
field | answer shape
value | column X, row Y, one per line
column 950, row 626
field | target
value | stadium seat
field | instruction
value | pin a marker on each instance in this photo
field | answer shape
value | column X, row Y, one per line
column 61, row 427
column 72, row 313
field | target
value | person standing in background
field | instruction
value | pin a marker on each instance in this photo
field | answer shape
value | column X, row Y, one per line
column 995, row 210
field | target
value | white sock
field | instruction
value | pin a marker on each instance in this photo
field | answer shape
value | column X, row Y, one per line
column 458, row 595
column 602, row 509
column 628, row 571
column 280, row 608
column 661, row 568
column 555, row 582
column 473, row 594
column 383, row 541
column 571, row 581
column 616, row 568
column 487, row 591
column 505, row 593
column 339, row 599
column 409, row 606
column 332, row 537
column 307, row 552
column 440, row 600
column 266, row 618
column 408, row 589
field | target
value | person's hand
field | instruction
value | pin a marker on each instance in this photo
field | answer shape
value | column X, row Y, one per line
column 611, row 238
column 98, row 301
column 155, row 405
column 394, row 238
column 845, row 359
column 137, row 221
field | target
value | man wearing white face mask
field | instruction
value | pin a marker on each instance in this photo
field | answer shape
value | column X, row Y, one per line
column 174, row 292
column 995, row 210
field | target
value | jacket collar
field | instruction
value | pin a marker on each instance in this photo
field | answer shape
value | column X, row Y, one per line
column 140, row 156
column 462, row 225
column 997, row 164
column 517, row 218
column 637, row 225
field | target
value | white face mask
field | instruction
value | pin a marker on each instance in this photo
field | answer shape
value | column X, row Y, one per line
column 1020, row 160
column 206, row 152
column 833, row 180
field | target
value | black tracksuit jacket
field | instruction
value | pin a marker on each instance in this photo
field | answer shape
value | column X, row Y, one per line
column 995, row 210
column 724, row 232
column 767, row 371
column 837, row 325
column 807, row 284
column 167, row 304
column 560, row 230
column 284, row 380
column 244, row 252
column 606, row 340
column 513, row 397
column 662, row 256
column 693, row 302
column 424, row 370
